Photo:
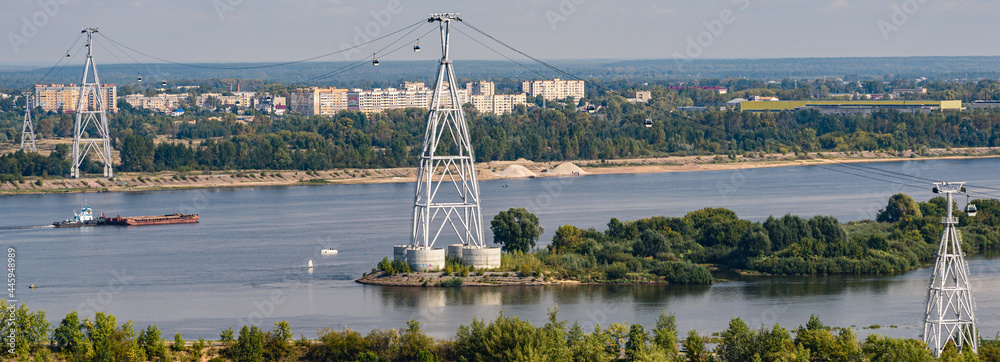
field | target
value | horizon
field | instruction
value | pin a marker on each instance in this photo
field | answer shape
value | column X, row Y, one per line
column 566, row 60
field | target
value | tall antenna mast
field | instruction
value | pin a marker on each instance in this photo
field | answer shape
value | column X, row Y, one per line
column 27, row 129
column 447, row 191
column 951, row 311
column 91, row 109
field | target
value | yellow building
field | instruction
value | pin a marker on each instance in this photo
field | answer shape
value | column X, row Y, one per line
column 53, row 97
column 850, row 107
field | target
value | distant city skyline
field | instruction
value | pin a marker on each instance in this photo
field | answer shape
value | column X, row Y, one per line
column 38, row 32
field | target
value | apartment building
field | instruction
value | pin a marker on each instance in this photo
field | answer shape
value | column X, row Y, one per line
column 317, row 101
column 159, row 102
column 556, row 89
column 53, row 97
column 409, row 95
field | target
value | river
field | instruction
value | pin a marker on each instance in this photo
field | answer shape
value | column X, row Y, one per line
column 245, row 261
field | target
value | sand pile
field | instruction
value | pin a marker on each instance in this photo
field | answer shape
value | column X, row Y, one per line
column 567, row 168
column 522, row 161
column 516, row 171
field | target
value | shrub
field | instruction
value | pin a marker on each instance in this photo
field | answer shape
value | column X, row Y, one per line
column 616, row 271
column 179, row 344
column 451, row 282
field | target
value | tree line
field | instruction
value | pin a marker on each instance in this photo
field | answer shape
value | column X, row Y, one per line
column 506, row 338
column 393, row 138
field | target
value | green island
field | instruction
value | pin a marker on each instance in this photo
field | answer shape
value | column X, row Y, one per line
column 685, row 250
column 506, row 338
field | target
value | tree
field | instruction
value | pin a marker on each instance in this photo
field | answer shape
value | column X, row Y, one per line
column 111, row 342
column 137, row 153
column 179, row 344
column 636, row 345
column 151, row 341
column 70, row 338
column 414, row 344
column 665, row 334
column 900, row 206
column 567, row 239
column 32, row 327
column 884, row 349
column 755, row 243
column 277, row 343
column 650, row 243
column 736, row 342
column 516, row 230
column 249, row 345
column 694, row 347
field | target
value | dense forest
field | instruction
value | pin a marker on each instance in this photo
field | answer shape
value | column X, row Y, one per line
column 507, row 338
column 676, row 250
column 206, row 140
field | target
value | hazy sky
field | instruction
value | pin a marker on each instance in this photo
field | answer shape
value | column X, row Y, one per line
column 40, row 31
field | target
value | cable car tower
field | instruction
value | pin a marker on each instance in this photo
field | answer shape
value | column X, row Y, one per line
column 91, row 109
column 951, row 311
column 28, row 130
column 447, row 191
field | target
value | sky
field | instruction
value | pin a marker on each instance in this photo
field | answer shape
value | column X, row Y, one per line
column 39, row 32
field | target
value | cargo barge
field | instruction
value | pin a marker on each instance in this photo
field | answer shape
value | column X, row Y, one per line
column 177, row 218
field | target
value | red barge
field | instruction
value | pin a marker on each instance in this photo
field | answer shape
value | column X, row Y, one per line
column 153, row 220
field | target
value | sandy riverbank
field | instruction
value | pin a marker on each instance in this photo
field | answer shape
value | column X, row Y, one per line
column 125, row 182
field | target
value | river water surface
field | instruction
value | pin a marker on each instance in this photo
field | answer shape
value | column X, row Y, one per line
column 245, row 261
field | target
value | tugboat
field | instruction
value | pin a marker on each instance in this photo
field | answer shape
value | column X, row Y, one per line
column 84, row 218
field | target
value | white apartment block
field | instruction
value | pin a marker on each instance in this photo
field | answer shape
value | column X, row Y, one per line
column 498, row 103
column 311, row 101
column 556, row 89
column 53, row 97
column 238, row 99
column 159, row 102
column 171, row 102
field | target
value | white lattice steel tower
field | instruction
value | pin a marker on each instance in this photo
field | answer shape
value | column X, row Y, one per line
column 27, row 129
column 447, row 192
column 91, row 110
column 951, row 311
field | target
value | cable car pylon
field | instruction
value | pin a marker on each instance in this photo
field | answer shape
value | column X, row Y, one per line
column 446, row 196
column 28, row 129
column 91, row 109
column 951, row 310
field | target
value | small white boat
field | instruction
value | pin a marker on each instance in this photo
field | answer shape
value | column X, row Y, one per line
column 329, row 251
column 310, row 264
